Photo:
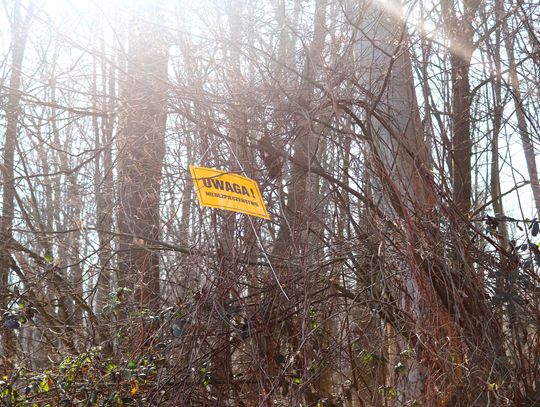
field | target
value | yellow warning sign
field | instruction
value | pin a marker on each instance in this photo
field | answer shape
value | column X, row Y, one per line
column 225, row 190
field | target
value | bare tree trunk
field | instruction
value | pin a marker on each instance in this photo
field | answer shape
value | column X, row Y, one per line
column 495, row 184
column 229, row 251
column 400, row 161
column 20, row 29
column 301, row 196
column 461, row 33
column 526, row 141
column 186, row 198
column 105, row 186
column 141, row 148
column 298, row 227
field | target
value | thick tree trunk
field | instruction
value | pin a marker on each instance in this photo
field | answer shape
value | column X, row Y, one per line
column 296, row 232
column 301, row 196
column 461, row 133
column 400, row 163
column 20, row 29
column 461, row 34
column 141, row 148
column 526, row 140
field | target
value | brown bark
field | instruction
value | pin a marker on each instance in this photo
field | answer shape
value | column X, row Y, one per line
column 105, row 189
column 298, row 232
column 526, row 141
column 461, row 130
column 495, row 182
column 225, row 227
column 20, row 27
column 141, row 148
column 461, row 33
column 300, row 198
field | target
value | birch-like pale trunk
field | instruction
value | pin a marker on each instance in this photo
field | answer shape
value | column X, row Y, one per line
column 400, row 154
column 523, row 130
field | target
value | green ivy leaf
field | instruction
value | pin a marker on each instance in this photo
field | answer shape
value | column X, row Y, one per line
column 493, row 386
column 367, row 357
column 111, row 367
column 45, row 384
column 389, row 392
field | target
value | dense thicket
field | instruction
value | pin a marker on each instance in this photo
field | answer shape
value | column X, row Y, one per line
column 395, row 147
